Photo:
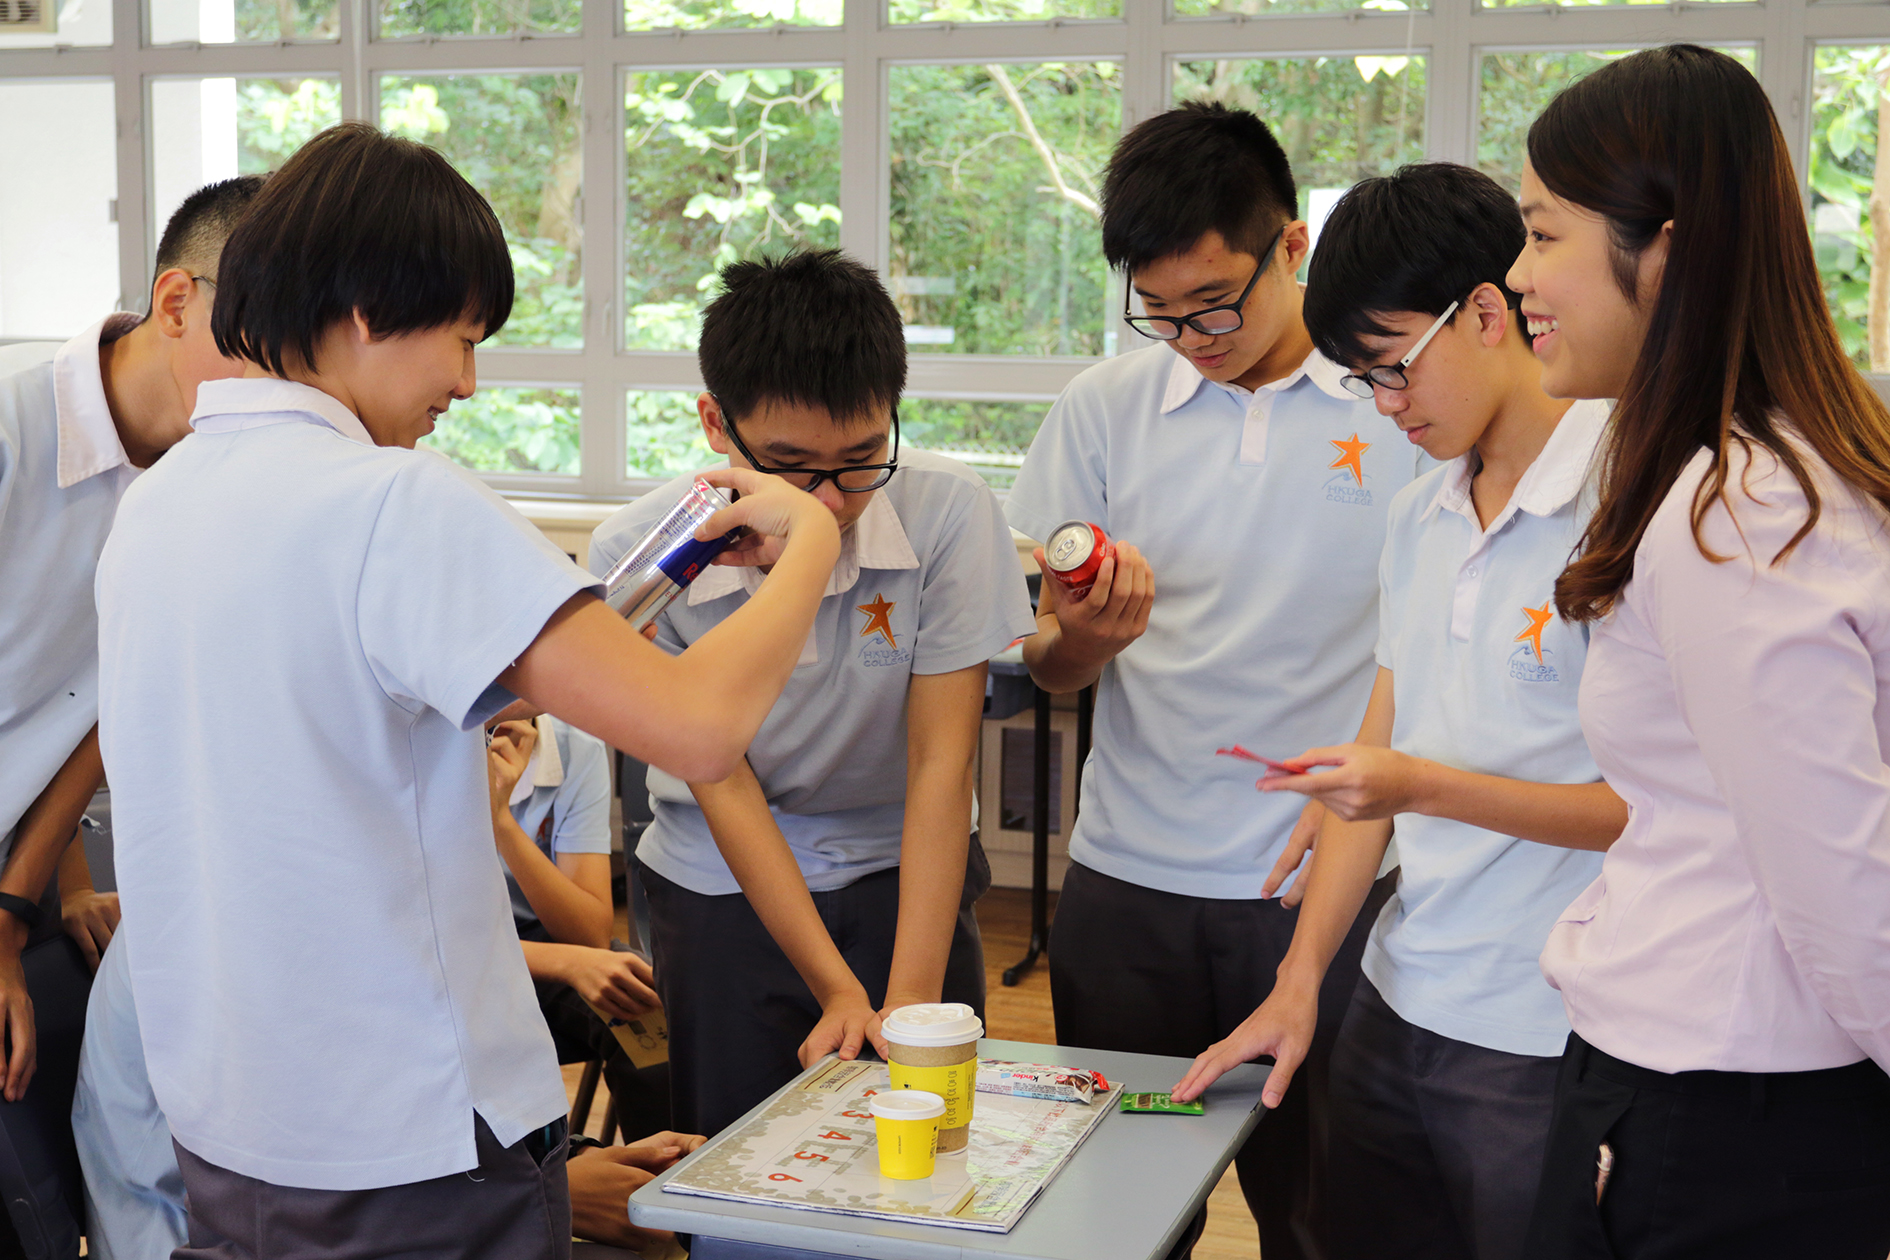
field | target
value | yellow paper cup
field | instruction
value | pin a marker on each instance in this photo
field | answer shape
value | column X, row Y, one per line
column 934, row 1047
column 906, row 1123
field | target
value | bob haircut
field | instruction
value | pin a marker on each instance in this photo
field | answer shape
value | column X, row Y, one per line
column 1199, row 168
column 1415, row 241
column 1740, row 347
column 358, row 221
column 812, row 328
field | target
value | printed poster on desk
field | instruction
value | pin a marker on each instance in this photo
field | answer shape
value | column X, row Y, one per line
column 813, row 1148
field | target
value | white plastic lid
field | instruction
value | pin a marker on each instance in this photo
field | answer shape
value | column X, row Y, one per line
column 908, row 1104
column 933, row 1024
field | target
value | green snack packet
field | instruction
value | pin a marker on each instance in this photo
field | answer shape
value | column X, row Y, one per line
column 1152, row 1103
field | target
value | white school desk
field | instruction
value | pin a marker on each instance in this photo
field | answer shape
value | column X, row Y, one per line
column 1126, row 1194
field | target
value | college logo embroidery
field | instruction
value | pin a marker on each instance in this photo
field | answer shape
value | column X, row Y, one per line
column 1344, row 489
column 879, row 626
column 1527, row 663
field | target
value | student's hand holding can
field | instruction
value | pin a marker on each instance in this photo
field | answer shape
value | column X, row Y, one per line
column 1282, row 1026
column 1113, row 615
column 771, row 509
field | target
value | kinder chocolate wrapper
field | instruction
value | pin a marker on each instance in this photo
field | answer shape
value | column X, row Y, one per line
column 1040, row 1080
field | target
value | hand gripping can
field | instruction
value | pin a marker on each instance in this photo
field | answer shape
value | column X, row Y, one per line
column 670, row 557
column 1074, row 552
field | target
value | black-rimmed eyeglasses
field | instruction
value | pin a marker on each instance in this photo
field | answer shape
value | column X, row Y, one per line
column 1209, row 321
column 1391, row 375
column 856, row 479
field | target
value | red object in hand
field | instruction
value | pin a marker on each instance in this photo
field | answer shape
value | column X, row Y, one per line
column 1273, row 767
column 1074, row 555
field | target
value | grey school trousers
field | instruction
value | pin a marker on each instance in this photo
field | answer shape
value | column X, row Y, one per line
column 1150, row 972
column 1437, row 1144
column 516, row 1205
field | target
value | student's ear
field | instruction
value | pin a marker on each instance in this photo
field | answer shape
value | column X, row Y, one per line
column 362, row 331
column 711, row 413
column 1295, row 244
column 170, row 294
column 1653, row 265
column 1493, row 315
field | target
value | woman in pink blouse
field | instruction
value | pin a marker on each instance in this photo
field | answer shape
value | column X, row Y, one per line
column 1728, row 975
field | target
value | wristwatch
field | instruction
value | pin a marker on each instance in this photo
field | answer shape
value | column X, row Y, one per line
column 22, row 909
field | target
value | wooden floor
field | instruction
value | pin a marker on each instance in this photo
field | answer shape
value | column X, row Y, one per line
column 1023, row 1014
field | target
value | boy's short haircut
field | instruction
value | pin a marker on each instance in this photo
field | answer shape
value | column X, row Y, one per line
column 1198, row 168
column 1414, row 241
column 358, row 220
column 194, row 237
column 814, row 328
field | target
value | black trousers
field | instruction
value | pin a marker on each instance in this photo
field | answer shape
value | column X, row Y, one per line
column 1715, row 1165
column 738, row 1011
column 640, row 1096
column 1152, row 972
column 516, row 1205
column 1436, row 1143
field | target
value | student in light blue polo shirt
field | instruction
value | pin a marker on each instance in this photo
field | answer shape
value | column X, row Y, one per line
column 304, row 623
column 1249, row 494
column 830, row 879
column 1443, row 1078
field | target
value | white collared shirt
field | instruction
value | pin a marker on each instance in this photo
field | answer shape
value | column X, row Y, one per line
column 1262, row 514
column 927, row 583
column 1742, row 709
column 298, row 637
column 62, row 471
column 1485, row 678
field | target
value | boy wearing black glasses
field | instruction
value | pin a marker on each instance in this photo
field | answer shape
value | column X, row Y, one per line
column 830, row 878
column 1250, row 492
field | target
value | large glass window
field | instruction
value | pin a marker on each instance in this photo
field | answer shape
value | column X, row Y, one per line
column 722, row 164
column 693, row 15
column 990, row 436
column 58, row 237
column 204, row 130
column 402, row 18
column 1849, row 181
column 994, row 243
column 240, row 21
column 512, row 429
column 1516, row 86
column 1000, row 10
column 663, row 434
column 1340, row 119
column 517, row 139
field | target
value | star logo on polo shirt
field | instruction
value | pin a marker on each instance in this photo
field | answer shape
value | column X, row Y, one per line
column 878, row 619
column 1351, row 451
column 1538, row 621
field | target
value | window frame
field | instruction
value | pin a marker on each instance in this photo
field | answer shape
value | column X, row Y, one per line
column 1146, row 40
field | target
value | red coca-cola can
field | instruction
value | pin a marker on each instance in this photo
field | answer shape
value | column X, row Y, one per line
column 1073, row 554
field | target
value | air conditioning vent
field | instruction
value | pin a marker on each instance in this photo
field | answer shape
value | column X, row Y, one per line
column 18, row 16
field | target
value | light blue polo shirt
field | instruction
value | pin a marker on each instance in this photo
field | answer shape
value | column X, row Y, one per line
column 1485, row 677
column 298, row 636
column 62, row 472
column 1262, row 514
column 563, row 803
column 927, row 582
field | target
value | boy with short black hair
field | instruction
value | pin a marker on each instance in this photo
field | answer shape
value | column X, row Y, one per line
column 826, row 881
column 1445, row 1067
column 1248, row 492
column 76, row 428
column 303, row 625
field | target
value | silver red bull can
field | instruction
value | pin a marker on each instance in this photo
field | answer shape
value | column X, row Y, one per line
column 1074, row 553
column 669, row 558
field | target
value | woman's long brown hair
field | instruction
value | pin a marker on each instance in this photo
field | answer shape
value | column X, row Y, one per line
column 1738, row 334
